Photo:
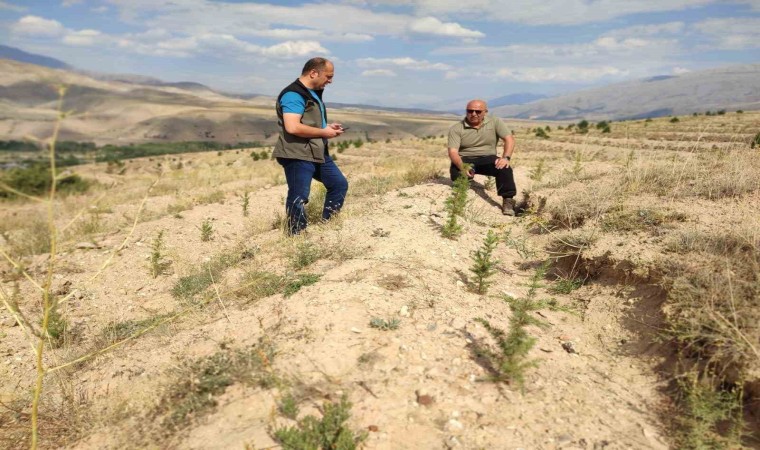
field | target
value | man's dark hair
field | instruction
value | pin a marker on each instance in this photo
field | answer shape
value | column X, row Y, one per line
column 317, row 64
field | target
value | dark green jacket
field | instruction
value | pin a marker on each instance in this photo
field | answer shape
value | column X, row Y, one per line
column 292, row 146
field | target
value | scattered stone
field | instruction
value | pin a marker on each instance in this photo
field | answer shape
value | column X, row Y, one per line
column 9, row 322
column 458, row 323
column 454, row 425
column 355, row 330
column 453, row 442
column 88, row 246
column 564, row 439
column 373, row 428
column 569, row 347
column 424, row 399
column 63, row 288
column 546, row 350
column 460, row 284
column 432, row 374
column 404, row 312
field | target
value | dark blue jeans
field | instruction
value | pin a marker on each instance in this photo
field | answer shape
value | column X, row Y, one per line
column 299, row 174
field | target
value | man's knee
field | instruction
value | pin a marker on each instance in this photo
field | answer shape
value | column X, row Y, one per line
column 340, row 186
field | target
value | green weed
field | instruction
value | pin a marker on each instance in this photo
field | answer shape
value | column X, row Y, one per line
column 329, row 432
column 199, row 382
column 703, row 411
column 385, row 325
column 301, row 280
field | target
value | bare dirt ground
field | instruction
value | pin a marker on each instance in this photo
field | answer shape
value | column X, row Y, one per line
column 599, row 379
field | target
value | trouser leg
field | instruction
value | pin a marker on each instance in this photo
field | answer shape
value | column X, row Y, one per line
column 336, row 185
column 298, row 175
column 505, row 180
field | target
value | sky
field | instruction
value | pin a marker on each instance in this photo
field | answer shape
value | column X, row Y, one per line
column 410, row 53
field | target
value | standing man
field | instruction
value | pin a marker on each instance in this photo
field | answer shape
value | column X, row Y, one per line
column 473, row 141
column 302, row 147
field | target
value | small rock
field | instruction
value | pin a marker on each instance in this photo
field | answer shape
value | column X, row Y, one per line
column 432, row 374
column 569, row 347
column 454, row 425
column 460, row 284
column 546, row 350
column 458, row 323
column 404, row 312
column 373, row 428
column 9, row 322
column 564, row 439
column 423, row 398
column 87, row 246
column 453, row 442
column 355, row 330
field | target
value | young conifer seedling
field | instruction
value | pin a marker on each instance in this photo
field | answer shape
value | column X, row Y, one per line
column 484, row 266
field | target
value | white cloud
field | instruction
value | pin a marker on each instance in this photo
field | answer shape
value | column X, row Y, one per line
column 38, row 27
column 11, row 7
column 568, row 74
column 291, row 49
column 290, row 34
column 99, row 9
column 84, row 38
column 546, row 12
column 67, row 3
column 334, row 21
column 680, row 70
column 668, row 28
column 379, row 73
column 433, row 26
column 406, row 63
column 732, row 33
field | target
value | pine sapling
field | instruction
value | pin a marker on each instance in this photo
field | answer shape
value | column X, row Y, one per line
column 484, row 266
column 456, row 203
column 207, row 230
column 157, row 262
column 246, row 201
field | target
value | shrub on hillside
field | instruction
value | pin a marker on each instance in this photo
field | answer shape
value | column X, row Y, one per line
column 36, row 180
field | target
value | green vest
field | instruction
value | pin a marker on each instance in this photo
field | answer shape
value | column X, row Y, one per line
column 295, row 147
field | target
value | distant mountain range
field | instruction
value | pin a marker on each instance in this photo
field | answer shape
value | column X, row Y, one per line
column 30, row 58
column 731, row 88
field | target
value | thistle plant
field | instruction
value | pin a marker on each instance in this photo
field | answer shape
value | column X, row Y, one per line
column 484, row 266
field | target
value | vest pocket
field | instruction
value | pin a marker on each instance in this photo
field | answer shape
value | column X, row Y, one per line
column 317, row 148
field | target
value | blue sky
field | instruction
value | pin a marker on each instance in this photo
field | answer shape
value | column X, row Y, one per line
column 391, row 52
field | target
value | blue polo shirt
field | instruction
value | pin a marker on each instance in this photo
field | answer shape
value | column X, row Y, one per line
column 293, row 103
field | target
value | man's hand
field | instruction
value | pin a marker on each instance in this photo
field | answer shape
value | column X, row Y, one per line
column 332, row 130
column 501, row 163
column 471, row 173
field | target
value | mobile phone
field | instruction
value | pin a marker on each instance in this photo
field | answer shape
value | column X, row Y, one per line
column 345, row 128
